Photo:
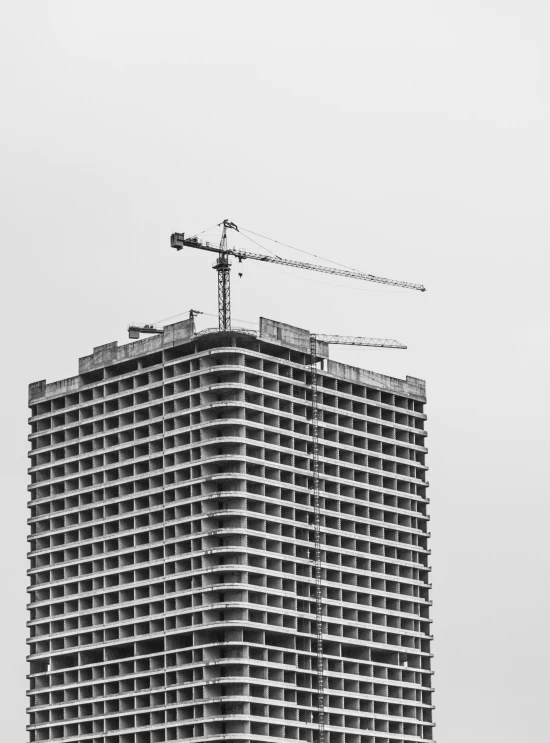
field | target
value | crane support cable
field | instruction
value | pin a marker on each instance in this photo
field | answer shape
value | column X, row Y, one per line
column 259, row 245
column 242, row 230
column 318, row 551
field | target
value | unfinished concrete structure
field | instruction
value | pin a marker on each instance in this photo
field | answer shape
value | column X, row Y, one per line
column 172, row 584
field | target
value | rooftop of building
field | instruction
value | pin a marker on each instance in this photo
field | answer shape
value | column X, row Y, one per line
column 270, row 331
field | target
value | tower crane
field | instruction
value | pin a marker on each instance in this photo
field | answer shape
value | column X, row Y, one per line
column 223, row 266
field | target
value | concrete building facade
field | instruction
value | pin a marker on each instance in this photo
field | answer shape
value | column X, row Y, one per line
column 172, row 584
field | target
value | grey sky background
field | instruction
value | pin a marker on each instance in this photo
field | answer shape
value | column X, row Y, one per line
column 407, row 139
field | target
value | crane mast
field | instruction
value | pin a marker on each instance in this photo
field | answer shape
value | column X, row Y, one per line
column 223, row 267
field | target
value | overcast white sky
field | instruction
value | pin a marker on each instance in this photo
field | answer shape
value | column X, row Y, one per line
column 408, row 139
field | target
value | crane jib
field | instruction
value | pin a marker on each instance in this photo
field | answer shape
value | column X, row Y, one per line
column 350, row 274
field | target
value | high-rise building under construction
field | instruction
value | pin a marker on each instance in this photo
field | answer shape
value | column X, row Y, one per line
column 180, row 561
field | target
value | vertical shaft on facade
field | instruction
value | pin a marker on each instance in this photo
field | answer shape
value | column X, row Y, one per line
column 318, row 552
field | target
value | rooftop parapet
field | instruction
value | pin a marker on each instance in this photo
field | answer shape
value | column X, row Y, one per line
column 271, row 331
column 290, row 336
column 411, row 386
